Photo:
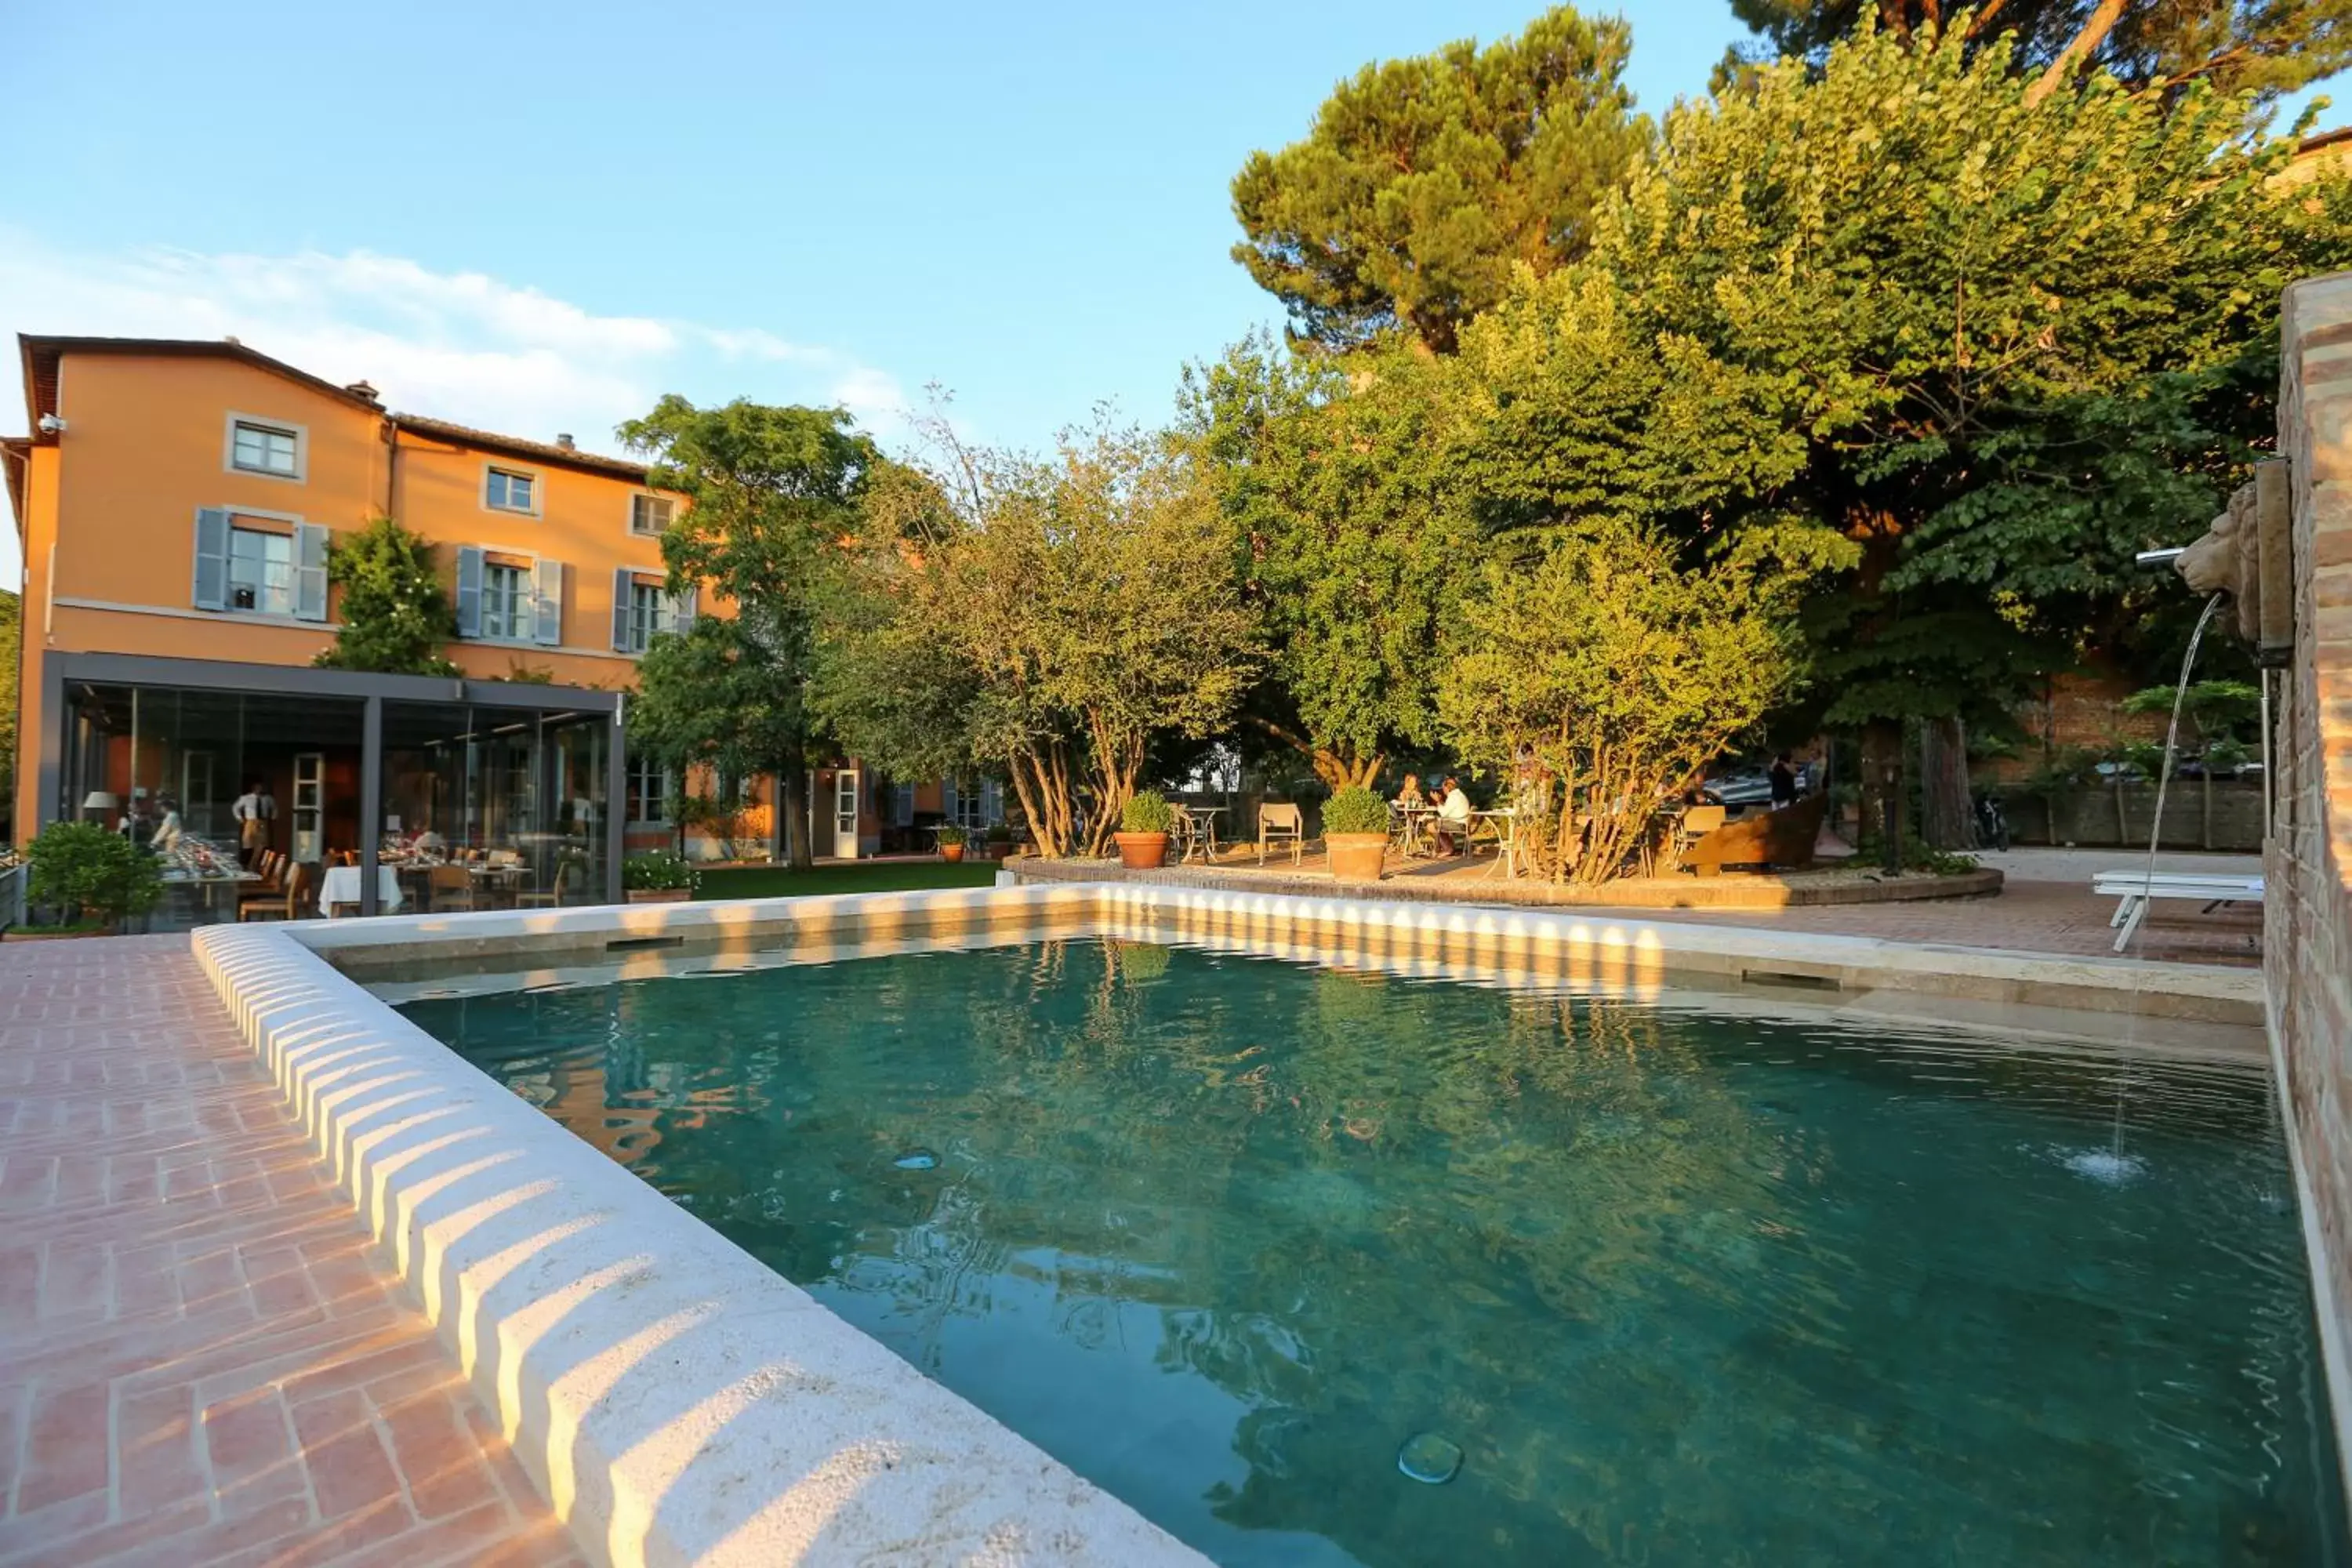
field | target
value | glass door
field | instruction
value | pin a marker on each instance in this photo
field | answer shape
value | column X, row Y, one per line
column 310, row 806
column 845, row 813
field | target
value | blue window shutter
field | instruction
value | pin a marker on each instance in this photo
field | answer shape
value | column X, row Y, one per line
column 211, row 558
column 547, row 602
column 310, row 572
column 902, row 806
column 948, row 798
column 470, row 590
column 625, row 588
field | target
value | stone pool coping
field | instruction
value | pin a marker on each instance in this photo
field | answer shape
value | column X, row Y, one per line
column 678, row 1402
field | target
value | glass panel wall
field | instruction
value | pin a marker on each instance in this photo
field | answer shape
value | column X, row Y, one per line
column 219, row 784
column 483, row 806
column 495, row 808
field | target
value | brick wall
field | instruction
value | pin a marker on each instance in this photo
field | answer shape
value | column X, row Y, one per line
column 2308, row 914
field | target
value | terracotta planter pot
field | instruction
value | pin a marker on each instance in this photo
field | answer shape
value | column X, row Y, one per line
column 659, row 895
column 1142, row 851
column 951, row 853
column 1356, row 856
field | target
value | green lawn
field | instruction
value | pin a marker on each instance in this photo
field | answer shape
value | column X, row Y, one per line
column 778, row 882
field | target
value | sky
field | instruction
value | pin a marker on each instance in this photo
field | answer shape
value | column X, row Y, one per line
column 538, row 219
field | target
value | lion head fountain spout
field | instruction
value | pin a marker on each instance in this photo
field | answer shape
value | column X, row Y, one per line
column 2244, row 555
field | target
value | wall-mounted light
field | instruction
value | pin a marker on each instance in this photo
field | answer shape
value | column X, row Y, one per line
column 50, row 424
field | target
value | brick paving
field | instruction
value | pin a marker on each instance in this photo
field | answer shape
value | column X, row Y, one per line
column 201, row 1359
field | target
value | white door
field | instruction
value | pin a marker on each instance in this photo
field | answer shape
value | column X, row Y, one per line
column 845, row 813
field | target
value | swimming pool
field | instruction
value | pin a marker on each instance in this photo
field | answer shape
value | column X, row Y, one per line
column 1658, row 1281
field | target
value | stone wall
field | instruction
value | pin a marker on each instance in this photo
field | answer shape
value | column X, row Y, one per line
column 2228, row 817
column 2308, row 914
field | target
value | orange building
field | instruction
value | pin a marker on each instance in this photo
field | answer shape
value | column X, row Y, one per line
column 177, row 504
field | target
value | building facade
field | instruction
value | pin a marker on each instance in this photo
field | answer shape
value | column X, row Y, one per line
column 177, row 504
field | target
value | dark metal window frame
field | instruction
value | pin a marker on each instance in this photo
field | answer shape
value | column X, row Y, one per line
column 59, row 670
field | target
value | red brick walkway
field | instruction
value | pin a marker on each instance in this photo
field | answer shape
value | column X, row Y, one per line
column 200, row 1361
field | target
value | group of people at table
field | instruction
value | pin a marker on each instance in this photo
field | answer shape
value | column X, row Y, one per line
column 1444, row 812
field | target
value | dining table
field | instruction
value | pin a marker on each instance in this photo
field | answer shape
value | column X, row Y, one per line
column 1502, row 820
column 341, row 888
column 1202, row 841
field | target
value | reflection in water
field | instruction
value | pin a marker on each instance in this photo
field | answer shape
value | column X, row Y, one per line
column 1245, row 1241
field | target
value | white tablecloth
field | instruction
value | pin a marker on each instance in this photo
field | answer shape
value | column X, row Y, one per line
column 341, row 886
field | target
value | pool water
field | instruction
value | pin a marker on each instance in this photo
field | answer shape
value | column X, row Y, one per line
column 1231, row 1237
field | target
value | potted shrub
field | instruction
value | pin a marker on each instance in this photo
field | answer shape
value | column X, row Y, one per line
column 1356, row 833
column 1000, row 841
column 1143, row 831
column 658, row 878
column 951, row 839
column 95, row 876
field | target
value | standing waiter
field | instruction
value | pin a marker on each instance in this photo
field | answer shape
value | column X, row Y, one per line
column 252, row 824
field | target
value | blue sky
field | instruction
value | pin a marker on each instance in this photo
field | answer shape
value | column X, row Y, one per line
column 540, row 217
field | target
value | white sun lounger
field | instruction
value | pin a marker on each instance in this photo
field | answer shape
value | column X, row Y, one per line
column 2135, row 890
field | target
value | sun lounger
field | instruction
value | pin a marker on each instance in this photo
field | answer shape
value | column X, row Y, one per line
column 2135, row 890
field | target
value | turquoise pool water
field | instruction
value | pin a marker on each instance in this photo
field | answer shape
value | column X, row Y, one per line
column 1226, row 1235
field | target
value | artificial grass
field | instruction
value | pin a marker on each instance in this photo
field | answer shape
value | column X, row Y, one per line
column 888, row 876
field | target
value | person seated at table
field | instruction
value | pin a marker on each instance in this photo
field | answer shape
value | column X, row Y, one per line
column 167, row 831
column 1454, row 815
column 1411, row 795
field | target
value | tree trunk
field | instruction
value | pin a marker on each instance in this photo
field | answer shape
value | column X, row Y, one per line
column 1881, row 779
column 1945, row 808
column 791, row 788
column 2080, row 47
column 1343, row 770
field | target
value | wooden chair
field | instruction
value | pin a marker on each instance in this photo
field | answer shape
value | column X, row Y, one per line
column 1694, row 824
column 1279, row 823
column 554, row 897
column 448, row 888
column 270, row 866
column 298, row 888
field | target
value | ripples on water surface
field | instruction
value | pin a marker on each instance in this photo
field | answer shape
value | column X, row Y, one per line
column 1224, row 1234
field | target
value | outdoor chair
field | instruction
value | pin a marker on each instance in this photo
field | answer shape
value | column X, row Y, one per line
column 448, row 888
column 1694, row 824
column 270, row 867
column 1281, row 824
column 553, row 897
column 289, row 907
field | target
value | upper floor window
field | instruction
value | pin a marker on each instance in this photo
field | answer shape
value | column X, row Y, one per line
column 649, row 614
column 260, row 571
column 264, row 446
column 506, row 602
column 511, row 490
column 648, row 514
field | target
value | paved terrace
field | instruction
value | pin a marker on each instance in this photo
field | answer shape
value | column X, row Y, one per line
column 2044, row 906
column 200, row 1360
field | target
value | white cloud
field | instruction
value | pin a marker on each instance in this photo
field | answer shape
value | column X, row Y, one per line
column 462, row 346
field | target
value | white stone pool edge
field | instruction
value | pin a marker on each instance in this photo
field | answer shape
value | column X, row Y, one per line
column 676, row 1400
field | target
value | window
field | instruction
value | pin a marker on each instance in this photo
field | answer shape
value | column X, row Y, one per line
column 510, row 491
column 506, row 602
column 648, row 514
column 648, row 615
column 254, row 448
column 649, row 791
column 260, row 572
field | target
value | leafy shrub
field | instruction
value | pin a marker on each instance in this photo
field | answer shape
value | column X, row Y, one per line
column 1937, row 862
column 952, row 835
column 1355, row 809
column 93, row 871
column 395, row 614
column 659, row 871
column 999, row 832
column 1146, row 811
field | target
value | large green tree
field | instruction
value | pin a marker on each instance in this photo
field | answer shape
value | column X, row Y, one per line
column 396, row 615
column 1351, row 534
column 1425, row 182
column 773, row 494
column 1084, row 608
column 1968, row 348
column 2265, row 48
